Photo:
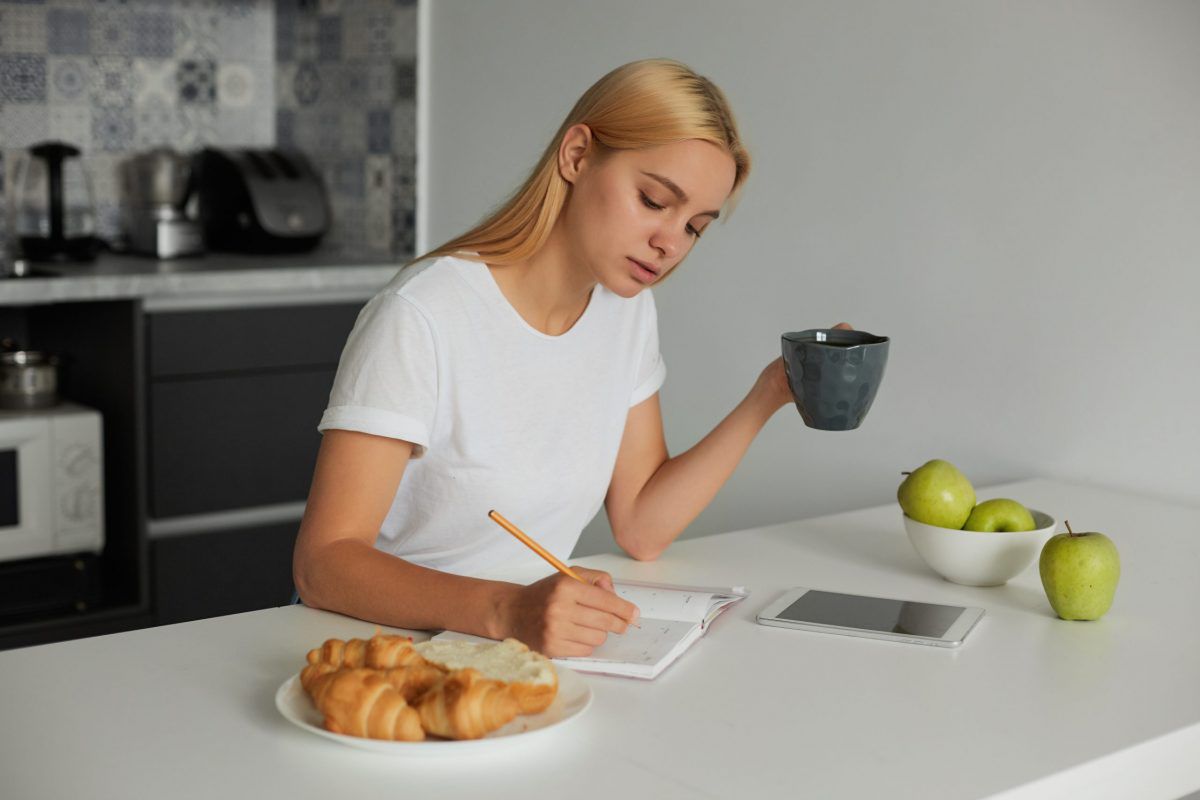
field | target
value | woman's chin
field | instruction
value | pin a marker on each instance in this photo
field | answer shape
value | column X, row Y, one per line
column 623, row 283
column 625, row 288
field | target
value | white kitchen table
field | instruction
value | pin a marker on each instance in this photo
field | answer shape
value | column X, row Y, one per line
column 1029, row 706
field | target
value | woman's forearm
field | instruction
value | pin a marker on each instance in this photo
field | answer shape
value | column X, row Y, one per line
column 351, row 577
column 684, row 485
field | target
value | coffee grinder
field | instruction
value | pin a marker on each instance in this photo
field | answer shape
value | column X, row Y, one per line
column 158, row 221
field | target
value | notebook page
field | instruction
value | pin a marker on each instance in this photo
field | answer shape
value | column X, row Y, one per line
column 661, row 603
column 647, row 645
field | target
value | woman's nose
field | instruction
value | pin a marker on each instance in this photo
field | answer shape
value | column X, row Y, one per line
column 666, row 244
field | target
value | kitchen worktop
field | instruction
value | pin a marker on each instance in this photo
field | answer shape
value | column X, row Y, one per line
column 1029, row 708
column 217, row 278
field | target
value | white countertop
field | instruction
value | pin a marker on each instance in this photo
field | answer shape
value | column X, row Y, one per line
column 215, row 279
column 1029, row 707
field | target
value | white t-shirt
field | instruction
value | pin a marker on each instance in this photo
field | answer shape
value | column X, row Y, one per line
column 501, row 415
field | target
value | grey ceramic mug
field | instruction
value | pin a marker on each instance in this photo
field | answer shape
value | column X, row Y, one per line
column 834, row 375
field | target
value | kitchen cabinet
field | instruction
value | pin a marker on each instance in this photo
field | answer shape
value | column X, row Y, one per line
column 234, row 441
column 210, row 408
column 101, row 345
column 213, row 573
column 233, row 399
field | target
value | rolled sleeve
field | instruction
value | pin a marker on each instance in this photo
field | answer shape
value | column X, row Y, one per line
column 650, row 385
column 387, row 378
column 377, row 422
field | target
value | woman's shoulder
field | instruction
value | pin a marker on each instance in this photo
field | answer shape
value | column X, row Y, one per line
column 428, row 279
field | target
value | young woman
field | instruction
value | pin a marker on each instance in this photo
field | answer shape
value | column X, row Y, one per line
column 517, row 368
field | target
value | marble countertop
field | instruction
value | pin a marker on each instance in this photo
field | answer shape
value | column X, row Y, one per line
column 217, row 279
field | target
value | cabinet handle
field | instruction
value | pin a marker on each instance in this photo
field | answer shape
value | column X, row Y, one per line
column 224, row 520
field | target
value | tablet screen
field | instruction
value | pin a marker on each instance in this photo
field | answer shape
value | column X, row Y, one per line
column 872, row 613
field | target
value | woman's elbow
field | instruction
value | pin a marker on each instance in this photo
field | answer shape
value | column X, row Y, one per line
column 303, row 579
column 303, row 590
column 636, row 548
column 305, row 593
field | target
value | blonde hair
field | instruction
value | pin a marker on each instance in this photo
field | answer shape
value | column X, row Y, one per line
column 642, row 104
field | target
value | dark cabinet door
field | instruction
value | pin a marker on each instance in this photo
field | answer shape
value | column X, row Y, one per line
column 247, row 339
column 222, row 572
column 234, row 442
column 234, row 398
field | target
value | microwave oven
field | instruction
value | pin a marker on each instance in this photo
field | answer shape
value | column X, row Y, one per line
column 51, row 482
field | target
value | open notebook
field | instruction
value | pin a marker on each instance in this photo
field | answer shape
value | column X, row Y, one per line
column 672, row 617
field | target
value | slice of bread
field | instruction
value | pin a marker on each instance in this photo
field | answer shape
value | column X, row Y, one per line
column 530, row 675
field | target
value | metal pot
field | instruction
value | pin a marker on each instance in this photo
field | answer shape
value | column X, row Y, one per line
column 28, row 379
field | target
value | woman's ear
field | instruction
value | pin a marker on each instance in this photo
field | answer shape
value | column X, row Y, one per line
column 576, row 144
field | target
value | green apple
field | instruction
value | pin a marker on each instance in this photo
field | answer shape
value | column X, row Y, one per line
column 936, row 493
column 1080, row 573
column 1000, row 514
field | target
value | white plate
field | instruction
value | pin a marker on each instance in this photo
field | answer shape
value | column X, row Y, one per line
column 574, row 697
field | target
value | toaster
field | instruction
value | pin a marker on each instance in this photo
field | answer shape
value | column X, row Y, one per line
column 260, row 200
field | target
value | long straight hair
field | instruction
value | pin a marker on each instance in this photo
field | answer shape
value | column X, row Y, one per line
column 642, row 104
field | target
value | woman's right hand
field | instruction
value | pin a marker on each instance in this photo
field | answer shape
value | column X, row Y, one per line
column 559, row 616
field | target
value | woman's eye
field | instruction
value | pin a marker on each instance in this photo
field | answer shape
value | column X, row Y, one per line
column 691, row 229
column 650, row 203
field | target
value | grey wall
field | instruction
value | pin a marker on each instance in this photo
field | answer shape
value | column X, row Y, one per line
column 1009, row 190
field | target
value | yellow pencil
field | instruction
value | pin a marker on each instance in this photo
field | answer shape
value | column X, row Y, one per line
column 499, row 519
column 525, row 539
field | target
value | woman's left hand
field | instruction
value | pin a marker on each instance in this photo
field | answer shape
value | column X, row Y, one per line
column 773, row 381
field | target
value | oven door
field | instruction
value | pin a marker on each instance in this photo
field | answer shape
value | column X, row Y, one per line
column 26, row 488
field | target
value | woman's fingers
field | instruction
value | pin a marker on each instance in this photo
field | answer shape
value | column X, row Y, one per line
column 595, row 577
column 843, row 326
column 599, row 620
column 608, row 601
column 573, row 618
column 611, row 602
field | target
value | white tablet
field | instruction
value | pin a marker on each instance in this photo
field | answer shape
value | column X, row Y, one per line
column 872, row 617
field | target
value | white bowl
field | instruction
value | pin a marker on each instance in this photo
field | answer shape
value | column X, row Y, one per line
column 979, row 558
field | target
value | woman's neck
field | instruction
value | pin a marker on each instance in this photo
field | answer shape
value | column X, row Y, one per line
column 550, row 290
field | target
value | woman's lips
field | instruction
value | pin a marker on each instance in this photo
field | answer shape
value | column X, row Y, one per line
column 642, row 272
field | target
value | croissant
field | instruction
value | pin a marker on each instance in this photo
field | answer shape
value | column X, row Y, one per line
column 412, row 681
column 311, row 673
column 361, row 702
column 388, row 651
column 465, row 705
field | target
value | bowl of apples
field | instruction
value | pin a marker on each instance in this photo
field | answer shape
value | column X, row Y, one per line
column 984, row 544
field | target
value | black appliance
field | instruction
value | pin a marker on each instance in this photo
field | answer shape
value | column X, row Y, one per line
column 260, row 200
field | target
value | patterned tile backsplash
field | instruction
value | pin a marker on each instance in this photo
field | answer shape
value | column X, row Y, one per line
column 334, row 78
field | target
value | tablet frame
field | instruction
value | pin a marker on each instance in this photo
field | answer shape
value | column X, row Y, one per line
column 953, row 636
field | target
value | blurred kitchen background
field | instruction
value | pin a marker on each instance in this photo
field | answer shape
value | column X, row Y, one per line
column 335, row 79
column 196, row 198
